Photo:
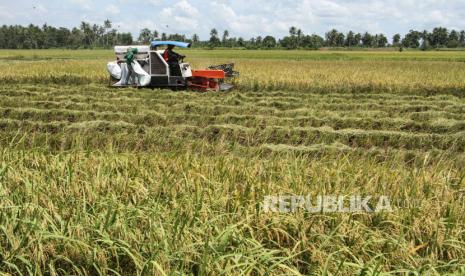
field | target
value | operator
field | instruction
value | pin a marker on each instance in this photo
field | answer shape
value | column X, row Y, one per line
column 171, row 57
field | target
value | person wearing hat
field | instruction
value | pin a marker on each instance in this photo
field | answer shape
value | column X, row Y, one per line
column 172, row 58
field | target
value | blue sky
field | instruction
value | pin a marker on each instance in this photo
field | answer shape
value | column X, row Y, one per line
column 244, row 18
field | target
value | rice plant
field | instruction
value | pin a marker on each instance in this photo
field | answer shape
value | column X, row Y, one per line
column 95, row 180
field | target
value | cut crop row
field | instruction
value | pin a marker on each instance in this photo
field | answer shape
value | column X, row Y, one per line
column 153, row 118
column 246, row 136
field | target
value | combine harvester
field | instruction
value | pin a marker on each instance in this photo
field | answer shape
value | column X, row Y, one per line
column 150, row 69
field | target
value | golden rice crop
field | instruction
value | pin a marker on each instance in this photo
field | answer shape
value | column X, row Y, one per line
column 278, row 70
column 96, row 180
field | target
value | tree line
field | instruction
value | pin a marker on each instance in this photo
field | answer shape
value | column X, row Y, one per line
column 104, row 36
column 45, row 37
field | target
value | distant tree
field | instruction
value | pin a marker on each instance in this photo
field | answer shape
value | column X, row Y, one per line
column 126, row 38
column 312, row 41
column 195, row 38
column 334, row 38
column 350, row 39
column 84, row 36
column 462, row 38
column 251, row 44
column 331, row 37
column 292, row 41
column 412, row 39
column 224, row 40
column 214, row 40
column 107, row 26
column 269, row 42
column 145, row 36
column 75, row 38
column 340, row 40
column 453, row 41
column 232, row 42
column 88, row 34
column 396, row 40
column 94, row 35
column 3, row 36
column 61, row 36
column 299, row 34
column 240, row 42
column 439, row 37
column 100, row 36
column 293, row 31
column 289, row 42
column 258, row 41
column 425, row 45
column 425, row 37
column 113, row 37
column 176, row 37
column 358, row 39
column 367, row 40
column 381, row 41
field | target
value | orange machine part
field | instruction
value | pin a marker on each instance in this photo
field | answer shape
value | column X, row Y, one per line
column 203, row 84
column 210, row 74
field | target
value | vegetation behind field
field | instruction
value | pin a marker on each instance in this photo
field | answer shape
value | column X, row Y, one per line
column 90, row 36
column 139, row 181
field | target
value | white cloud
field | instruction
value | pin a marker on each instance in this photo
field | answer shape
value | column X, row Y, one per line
column 326, row 8
column 84, row 4
column 112, row 9
column 40, row 8
column 181, row 17
column 187, row 8
column 223, row 11
column 155, row 2
column 244, row 18
column 134, row 25
column 4, row 13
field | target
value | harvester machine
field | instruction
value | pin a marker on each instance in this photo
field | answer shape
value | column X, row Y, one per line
column 150, row 69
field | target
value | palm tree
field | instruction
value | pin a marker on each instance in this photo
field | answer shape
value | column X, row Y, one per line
column 85, row 28
column 293, row 31
column 107, row 26
column 225, row 37
column 195, row 38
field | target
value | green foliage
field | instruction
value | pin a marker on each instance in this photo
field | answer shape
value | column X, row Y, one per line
column 145, row 36
column 91, row 36
column 396, row 40
column 214, row 40
column 439, row 37
column 269, row 42
column 86, row 36
column 334, row 38
column 411, row 40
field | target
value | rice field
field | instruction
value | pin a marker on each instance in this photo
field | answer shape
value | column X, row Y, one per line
column 96, row 180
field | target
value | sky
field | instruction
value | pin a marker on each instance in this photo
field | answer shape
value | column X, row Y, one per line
column 242, row 18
